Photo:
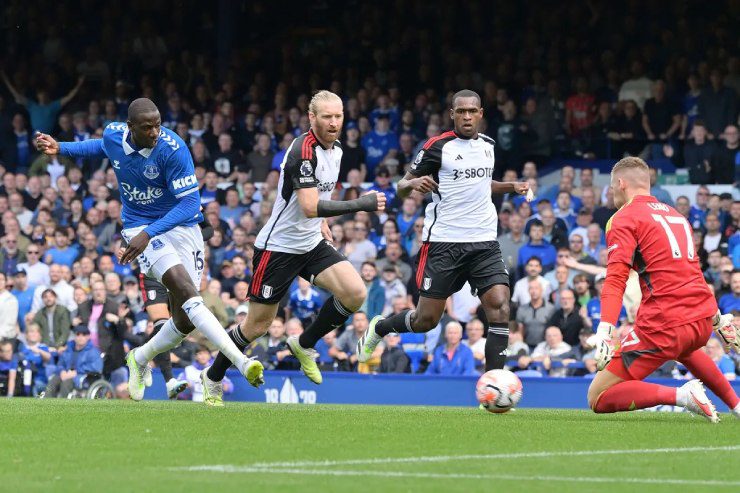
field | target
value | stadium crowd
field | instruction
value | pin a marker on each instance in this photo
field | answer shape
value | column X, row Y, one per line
column 68, row 308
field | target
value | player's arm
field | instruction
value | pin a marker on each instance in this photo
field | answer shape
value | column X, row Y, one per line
column 91, row 148
column 182, row 183
column 19, row 98
column 502, row 187
column 71, row 94
column 419, row 176
column 622, row 244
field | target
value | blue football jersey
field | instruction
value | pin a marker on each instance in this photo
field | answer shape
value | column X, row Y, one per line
column 150, row 180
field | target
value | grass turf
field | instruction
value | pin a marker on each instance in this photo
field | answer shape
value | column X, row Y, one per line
column 81, row 445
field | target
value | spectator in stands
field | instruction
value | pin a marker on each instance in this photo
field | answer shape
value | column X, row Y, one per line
column 375, row 300
column 283, row 357
column 406, row 219
column 698, row 212
column 577, row 250
column 463, row 305
column 8, row 368
column 594, row 241
column 731, row 301
column 360, row 249
column 628, row 135
column 325, row 361
column 37, row 355
column 561, row 278
column 517, row 349
column 579, row 114
column 657, row 191
column 394, row 359
column 605, row 212
column 379, row 145
column 581, row 353
column 698, row 155
column 661, row 119
column 723, row 361
column 392, row 286
column 712, row 272
column 552, row 349
column 567, row 317
column 512, row 241
column 353, row 154
column 37, row 271
column 725, row 161
column 192, row 373
column 582, row 289
column 638, row 88
column 8, row 311
column 383, row 184
column 78, row 359
column 452, row 358
column 537, row 246
column 713, row 239
column 553, row 233
column 24, row 294
column 717, row 105
column 63, row 290
column 392, row 258
column 533, row 269
column 345, row 347
column 476, row 342
column 54, row 321
column 304, row 302
column 532, row 317
column 10, row 255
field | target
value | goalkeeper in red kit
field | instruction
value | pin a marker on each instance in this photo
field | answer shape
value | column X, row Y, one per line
column 676, row 316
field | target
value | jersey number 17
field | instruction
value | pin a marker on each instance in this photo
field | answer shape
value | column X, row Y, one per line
column 666, row 222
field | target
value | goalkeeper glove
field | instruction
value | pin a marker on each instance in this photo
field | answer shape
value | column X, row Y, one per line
column 726, row 331
column 601, row 341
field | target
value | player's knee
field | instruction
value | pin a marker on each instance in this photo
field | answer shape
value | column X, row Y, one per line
column 354, row 296
column 593, row 398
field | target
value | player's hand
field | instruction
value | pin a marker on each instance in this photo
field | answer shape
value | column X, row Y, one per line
column 46, row 144
column 424, row 184
column 326, row 232
column 727, row 332
column 521, row 187
column 380, row 199
column 135, row 248
column 601, row 341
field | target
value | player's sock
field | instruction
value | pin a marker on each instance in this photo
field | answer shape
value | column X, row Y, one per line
column 635, row 394
column 398, row 323
column 217, row 371
column 162, row 360
column 331, row 316
column 702, row 367
column 496, row 343
column 208, row 324
column 167, row 338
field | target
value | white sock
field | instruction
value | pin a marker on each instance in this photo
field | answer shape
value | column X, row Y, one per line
column 167, row 338
column 682, row 397
column 210, row 327
column 736, row 410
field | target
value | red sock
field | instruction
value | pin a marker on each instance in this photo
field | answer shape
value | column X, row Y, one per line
column 702, row 367
column 634, row 394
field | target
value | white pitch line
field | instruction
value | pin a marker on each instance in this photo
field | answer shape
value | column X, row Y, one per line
column 431, row 475
column 520, row 455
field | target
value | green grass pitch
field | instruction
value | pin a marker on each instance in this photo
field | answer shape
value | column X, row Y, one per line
column 80, row 445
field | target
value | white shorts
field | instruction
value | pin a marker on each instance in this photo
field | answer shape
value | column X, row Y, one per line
column 182, row 245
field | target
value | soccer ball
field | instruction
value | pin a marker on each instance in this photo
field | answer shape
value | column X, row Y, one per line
column 498, row 390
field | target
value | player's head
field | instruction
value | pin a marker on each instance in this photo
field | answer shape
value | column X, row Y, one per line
column 466, row 112
column 144, row 122
column 630, row 177
column 326, row 114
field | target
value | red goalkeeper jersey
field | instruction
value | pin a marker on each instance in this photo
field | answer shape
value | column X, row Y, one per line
column 657, row 242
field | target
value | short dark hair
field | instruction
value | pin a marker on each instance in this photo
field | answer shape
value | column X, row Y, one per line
column 465, row 93
column 140, row 106
column 535, row 258
column 536, row 223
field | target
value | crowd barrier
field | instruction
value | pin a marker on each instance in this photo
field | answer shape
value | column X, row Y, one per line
column 400, row 389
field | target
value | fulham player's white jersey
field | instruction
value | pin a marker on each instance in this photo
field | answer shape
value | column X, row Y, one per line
column 461, row 210
column 306, row 165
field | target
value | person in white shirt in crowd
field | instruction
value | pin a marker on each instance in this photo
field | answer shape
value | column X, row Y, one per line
column 463, row 305
column 713, row 239
column 550, row 350
column 8, row 312
column 393, row 287
column 360, row 249
column 476, row 342
column 37, row 271
column 191, row 375
column 533, row 268
column 64, row 291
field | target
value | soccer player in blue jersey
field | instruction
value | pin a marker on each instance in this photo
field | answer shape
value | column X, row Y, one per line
column 161, row 212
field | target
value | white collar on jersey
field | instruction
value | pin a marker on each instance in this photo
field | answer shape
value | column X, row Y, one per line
column 127, row 149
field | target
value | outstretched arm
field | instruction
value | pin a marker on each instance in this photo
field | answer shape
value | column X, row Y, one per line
column 501, row 187
column 312, row 206
column 19, row 98
column 92, row 148
column 71, row 94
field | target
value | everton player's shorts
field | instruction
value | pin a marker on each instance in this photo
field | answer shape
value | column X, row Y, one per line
column 275, row 271
column 442, row 268
column 182, row 245
column 642, row 351
column 152, row 292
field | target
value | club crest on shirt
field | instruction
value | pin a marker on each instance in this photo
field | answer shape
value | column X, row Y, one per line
column 427, row 282
column 419, row 157
column 306, row 168
column 116, row 164
column 266, row 291
column 151, row 171
column 157, row 244
column 152, row 294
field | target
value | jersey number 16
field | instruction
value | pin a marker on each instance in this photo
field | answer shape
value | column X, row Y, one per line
column 666, row 222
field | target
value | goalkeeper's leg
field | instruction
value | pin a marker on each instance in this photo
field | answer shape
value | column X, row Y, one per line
column 703, row 367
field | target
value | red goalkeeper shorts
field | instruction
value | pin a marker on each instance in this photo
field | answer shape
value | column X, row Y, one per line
column 642, row 352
